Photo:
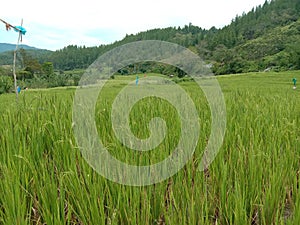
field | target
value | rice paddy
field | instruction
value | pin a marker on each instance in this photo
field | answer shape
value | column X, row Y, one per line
column 253, row 180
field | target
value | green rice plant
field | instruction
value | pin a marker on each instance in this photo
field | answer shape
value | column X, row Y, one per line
column 253, row 180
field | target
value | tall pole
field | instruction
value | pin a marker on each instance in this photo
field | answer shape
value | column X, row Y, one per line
column 21, row 31
column 14, row 64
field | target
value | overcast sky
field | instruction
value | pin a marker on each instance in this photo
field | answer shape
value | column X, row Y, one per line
column 57, row 23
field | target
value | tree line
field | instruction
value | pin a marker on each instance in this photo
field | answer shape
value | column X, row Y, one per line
column 265, row 38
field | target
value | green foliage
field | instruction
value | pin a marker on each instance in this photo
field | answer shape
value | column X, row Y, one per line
column 24, row 74
column 5, row 70
column 30, row 56
column 265, row 37
column 6, row 83
column 253, row 180
column 47, row 69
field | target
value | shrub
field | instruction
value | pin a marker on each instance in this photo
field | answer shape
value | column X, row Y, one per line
column 6, row 84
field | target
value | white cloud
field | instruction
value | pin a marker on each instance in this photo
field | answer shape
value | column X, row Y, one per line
column 55, row 24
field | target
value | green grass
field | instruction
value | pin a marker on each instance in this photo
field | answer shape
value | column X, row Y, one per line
column 253, row 180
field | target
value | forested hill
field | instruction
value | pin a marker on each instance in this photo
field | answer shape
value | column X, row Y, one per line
column 267, row 37
column 10, row 47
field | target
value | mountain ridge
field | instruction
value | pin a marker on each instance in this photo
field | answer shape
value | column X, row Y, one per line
column 4, row 47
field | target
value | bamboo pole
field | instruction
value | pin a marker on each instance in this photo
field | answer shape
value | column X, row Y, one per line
column 8, row 26
column 14, row 68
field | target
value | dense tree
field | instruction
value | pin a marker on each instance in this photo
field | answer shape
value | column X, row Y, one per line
column 266, row 36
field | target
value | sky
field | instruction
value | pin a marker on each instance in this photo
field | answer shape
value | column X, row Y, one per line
column 56, row 24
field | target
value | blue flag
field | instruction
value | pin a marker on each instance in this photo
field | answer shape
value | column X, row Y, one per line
column 20, row 29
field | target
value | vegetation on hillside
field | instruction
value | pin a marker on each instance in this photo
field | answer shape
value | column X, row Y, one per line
column 266, row 38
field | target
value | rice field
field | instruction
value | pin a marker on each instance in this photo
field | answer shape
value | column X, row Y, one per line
column 253, row 180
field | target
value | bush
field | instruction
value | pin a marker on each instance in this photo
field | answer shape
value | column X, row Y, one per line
column 6, row 83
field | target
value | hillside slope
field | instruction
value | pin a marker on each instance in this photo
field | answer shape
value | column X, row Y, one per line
column 4, row 47
column 267, row 37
